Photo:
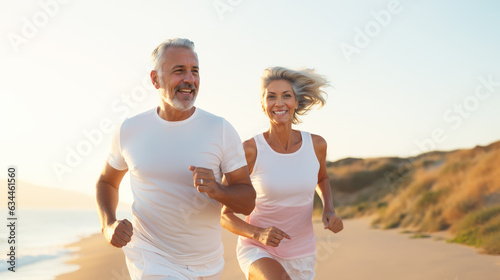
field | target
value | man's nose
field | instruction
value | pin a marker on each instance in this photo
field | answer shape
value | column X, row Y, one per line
column 189, row 78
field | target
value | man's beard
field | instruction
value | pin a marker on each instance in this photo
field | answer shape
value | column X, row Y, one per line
column 179, row 104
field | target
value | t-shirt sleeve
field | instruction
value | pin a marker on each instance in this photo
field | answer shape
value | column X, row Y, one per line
column 115, row 157
column 233, row 153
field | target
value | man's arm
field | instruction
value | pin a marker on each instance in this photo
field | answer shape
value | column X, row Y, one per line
column 116, row 232
column 238, row 195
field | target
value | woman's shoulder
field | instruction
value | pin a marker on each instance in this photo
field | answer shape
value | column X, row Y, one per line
column 319, row 142
column 318, row 139
column 250, row 148
column 250, row 144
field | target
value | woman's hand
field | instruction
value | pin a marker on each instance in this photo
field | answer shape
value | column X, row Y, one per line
column 271, row 236
column 332, row 222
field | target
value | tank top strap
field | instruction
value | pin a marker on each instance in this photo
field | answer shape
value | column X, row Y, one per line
column 307, row 142
column 258, row 141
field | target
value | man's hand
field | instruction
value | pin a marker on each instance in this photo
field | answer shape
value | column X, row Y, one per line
column 271, row 236
column 118, row 233
column 204, row 181
column 332, row 222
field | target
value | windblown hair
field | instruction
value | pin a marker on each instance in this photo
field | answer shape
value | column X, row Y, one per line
column 307, row 86
column 156, row 56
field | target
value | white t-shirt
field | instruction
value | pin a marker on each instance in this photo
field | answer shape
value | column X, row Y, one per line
column 170, row 216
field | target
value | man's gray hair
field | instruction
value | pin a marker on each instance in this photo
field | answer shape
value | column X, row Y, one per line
column 156, row 56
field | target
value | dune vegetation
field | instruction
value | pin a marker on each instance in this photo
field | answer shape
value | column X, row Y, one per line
column 457, row 191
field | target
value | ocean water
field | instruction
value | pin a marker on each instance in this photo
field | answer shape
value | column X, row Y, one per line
column 41, row 237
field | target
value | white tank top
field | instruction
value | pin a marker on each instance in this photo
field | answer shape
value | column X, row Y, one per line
column 285, row 185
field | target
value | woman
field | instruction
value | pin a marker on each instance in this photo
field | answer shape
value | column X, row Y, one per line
column 286, row 166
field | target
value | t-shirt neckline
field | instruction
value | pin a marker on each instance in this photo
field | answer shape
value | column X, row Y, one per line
column 175, row 123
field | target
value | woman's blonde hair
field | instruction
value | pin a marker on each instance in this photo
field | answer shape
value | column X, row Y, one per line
column 307, row 86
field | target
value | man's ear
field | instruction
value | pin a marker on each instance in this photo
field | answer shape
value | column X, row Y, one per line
column 155, row 79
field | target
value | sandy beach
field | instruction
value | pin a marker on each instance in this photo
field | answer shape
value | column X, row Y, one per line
column 358, row 252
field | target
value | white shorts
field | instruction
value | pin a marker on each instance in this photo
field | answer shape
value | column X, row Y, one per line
column 298, row 269
column 146, row 265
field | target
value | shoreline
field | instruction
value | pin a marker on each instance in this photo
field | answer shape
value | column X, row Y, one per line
column 358, row 252
column 96, row 259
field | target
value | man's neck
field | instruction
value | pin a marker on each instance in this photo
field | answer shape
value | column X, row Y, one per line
column 171, row 114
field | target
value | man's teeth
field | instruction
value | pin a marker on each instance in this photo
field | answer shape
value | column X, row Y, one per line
column 280, row 113
column 185, row 90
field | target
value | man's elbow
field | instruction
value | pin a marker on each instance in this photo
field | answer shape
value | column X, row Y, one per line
column 251, row 203
column 248, row 210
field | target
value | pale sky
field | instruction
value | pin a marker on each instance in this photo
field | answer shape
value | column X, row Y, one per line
column 407, row 76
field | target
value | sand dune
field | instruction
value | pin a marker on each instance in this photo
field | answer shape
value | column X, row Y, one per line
column 358, row 252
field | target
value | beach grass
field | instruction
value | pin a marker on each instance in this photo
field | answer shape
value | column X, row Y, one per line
column 420, row 235
column 480, row 228
column 457, row 191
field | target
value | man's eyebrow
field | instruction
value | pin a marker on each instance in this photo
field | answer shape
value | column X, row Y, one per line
column 183, row 66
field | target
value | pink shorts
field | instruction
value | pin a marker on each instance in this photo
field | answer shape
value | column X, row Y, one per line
column 298, row 269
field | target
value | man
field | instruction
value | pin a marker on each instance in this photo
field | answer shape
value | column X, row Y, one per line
column 176, row 155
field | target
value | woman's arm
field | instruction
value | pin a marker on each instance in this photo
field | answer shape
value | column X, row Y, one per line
column 330, row 219
column 268, row 236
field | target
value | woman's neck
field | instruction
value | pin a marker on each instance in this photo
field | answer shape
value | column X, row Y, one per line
column 283, row 139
